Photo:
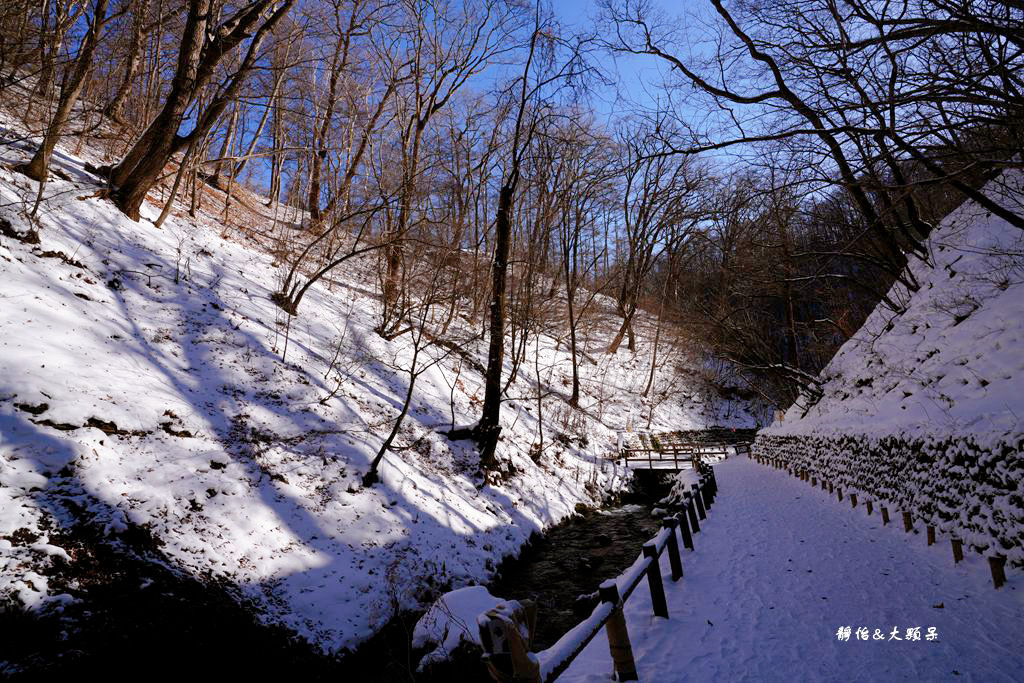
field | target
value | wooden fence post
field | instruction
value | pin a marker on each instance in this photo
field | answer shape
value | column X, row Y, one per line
column 691, row 512
column 705, row 492
column 674, row 560
column 814, row 482
column 997, row 564
column 853, row 500
column 931, row 535
column 869, row 505
column 908, row 522
column 654, row 580
column 831, row 487
column 958, row 550
column 618, row 636
column 885, row 515
column 684, row 528
column 840, row 493
column 699, row 500
column 506, row 653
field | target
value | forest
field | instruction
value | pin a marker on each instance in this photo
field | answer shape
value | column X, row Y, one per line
column 760, row 195
column 324, row 318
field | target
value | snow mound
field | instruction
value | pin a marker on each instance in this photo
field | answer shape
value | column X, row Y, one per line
column 451, row 621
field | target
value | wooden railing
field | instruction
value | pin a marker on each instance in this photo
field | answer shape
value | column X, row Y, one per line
column 509, row 658
column 675, row 457
column 669, row 459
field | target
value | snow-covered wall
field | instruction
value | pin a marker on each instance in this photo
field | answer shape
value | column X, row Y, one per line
column 924, row 408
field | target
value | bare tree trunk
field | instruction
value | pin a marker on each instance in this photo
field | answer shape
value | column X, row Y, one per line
column 131, row 68
column 489, row 426
column 72, row 88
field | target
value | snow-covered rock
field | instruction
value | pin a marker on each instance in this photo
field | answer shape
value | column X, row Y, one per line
column 451, row 621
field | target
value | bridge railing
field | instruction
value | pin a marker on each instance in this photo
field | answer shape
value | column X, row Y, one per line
column 654, row 459
column 508, row 658
column 678, row 456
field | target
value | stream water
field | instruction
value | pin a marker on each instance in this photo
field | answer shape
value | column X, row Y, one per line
column 553, row 570
column 562, row 570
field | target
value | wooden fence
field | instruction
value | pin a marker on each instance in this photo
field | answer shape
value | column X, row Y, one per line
column 505, row 633
column 996, row 562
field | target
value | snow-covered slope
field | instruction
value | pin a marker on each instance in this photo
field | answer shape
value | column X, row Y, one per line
column 147, row 381
column 925, row 407
column 952, row 361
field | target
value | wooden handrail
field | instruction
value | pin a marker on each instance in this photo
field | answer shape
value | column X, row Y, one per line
column 614, row 593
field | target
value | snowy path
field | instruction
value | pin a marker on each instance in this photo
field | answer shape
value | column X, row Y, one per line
column 779, row 567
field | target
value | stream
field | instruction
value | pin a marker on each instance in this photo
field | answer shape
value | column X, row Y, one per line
column 561, row 570
column 554, row 569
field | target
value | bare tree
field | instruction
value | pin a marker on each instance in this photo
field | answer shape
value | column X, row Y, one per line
column 70, row 89
column 204, row 45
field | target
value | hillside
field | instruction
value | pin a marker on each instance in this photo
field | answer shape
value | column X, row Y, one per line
column 923, row 406
column 151, row 393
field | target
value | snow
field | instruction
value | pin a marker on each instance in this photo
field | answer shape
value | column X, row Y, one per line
column 951, row 362
column 922, row 409
column 450, row 621
column 779, row 567
column 236, row 456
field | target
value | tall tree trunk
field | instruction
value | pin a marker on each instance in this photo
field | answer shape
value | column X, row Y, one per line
column 489, row 427
column 72, row 88
column 114, row 108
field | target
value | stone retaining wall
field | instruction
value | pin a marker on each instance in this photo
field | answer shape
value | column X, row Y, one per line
column 964, row 488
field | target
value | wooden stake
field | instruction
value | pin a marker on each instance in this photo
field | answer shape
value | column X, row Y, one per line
column 885, row 515
column 691, row 512
column 684, row 528
column 853, row 500
column 840, row 491
column 507, row 654
column 931, row 535
column 674, row 560
column 698, row 499
column 814, row 481
column 869, row 505
column 618, row 636
column 654, row 581
column 997, row 563
column 705, row 494
column 908, row 522
column 958, row 550
column 831, row 487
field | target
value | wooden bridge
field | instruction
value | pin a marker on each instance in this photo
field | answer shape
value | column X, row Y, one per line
column 677, row 456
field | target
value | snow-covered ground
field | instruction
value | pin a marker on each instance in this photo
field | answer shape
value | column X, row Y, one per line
column 779, row 568
column 146, row 380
